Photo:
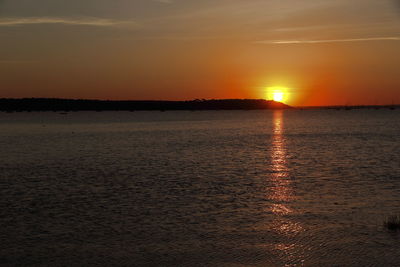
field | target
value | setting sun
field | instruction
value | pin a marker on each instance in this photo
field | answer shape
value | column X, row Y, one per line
column 279, row 94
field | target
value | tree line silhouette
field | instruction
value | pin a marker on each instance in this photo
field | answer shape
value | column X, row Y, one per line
column 55, row 104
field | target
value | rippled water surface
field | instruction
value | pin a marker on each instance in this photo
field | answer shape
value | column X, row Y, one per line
column 211, row 188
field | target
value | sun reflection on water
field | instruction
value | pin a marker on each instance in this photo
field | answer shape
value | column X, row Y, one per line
column 281, row 196
column 281, row 190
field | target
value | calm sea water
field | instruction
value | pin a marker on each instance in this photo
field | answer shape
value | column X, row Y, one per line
column 211, row 188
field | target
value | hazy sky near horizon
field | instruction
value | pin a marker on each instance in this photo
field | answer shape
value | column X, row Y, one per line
column 325, row 51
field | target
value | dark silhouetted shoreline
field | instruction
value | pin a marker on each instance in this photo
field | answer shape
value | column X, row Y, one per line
column 54, row 104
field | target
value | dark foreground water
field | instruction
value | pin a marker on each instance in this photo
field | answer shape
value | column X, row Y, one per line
column 212, row 188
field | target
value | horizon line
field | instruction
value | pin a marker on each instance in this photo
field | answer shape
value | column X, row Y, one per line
column 201, row 99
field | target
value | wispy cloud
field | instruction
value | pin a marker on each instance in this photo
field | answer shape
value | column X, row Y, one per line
column 11, row 61
column 164, row 1
column 390, row 38
column 100, row 22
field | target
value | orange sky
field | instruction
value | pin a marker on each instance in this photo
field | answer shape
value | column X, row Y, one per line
column 325, row 52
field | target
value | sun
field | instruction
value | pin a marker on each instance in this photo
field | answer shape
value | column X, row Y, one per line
column 278, row 94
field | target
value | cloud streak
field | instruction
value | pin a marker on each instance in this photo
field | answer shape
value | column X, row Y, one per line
column 164, row 1
column 277, row 42
column 99, row 22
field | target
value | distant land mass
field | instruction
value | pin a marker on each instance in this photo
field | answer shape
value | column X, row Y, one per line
column 56, row 104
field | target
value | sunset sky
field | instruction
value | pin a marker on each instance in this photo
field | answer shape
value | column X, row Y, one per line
column 324, row 52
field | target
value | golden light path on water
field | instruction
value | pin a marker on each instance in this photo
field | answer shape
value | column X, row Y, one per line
column 281, row 196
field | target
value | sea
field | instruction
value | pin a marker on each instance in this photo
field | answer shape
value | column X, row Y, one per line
column 200, row 188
